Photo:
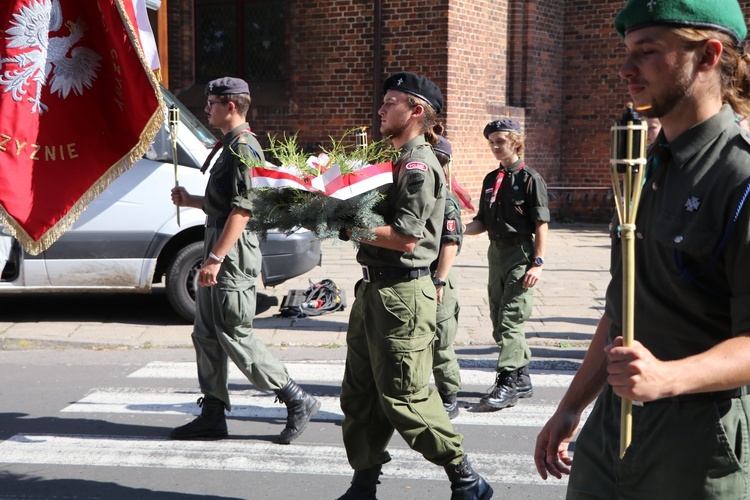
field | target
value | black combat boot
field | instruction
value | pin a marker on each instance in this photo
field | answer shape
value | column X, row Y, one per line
column 503, row 394
column 364, row 484
column 300, row 407
column 523, row 383
column 450, row 403
column 211, row 423
column 467, row 484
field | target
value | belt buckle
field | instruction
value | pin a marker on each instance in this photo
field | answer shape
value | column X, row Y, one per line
column 366, row 274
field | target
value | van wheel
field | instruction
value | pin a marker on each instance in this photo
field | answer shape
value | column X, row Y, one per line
column 182, row 279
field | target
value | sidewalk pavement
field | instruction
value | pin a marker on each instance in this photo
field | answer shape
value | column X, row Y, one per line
column 567, row 305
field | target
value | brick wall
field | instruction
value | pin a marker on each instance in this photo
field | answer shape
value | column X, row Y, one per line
column 551, row 64
column 593, row 97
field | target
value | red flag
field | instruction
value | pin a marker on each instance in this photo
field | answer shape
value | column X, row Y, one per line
column 78, row 106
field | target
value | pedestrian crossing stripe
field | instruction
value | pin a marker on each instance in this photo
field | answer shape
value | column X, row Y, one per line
column 253, row 404
column 333, row 371
column 246, row 456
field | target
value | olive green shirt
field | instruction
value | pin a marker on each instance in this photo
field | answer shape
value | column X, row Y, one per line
column 414, row 205
column 230, row 180
column 685, row 209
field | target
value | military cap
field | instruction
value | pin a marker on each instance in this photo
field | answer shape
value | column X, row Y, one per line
column 416, row 85
column 227, row 86
column 723, row 15
column 443, row 146
column 502, row 125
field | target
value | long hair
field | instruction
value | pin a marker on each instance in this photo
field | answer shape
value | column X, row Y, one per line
column 734, row 66
column 429, row 119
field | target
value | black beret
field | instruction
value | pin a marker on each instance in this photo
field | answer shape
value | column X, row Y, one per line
column 416, row 85
column 226, row 86
column 443, row 146
column 502, row 125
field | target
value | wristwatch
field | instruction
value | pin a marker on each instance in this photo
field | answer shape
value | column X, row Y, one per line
column 538, row 261
column 437, row 281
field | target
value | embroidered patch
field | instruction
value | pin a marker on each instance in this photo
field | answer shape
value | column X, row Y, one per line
column 414, row 182
column 450, row 225
column 416, row 165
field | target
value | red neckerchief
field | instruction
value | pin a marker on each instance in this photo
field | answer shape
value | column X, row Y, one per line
column 499, row 181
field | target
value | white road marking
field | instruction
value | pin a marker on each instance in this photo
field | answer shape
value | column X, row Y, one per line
column 261, row 405
column 247, row 456
column 333, row 371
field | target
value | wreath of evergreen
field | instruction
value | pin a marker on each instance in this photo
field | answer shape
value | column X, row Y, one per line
column 287, row 209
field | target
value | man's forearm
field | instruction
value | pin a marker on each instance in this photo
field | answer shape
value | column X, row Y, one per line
column 387, row 237
column 235, row 225
column 445, row 259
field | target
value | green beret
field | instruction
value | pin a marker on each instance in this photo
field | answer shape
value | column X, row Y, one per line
column 724, row 15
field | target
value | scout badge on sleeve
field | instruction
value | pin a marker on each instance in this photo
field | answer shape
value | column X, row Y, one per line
column 628, row 164
column 79, row 104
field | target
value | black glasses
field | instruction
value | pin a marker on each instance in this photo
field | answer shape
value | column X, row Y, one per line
column 210, row 103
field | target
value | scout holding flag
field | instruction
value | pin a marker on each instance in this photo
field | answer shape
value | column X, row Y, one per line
column 79, row 104
column 688, row 368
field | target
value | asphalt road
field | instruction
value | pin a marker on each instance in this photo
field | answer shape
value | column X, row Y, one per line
column 85, row 424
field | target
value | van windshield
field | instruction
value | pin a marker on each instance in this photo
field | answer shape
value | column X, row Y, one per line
column 200, row 130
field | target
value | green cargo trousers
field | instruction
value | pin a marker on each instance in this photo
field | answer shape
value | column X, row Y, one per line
column 680, row 450
column 445, row 367
column 510, row 303
column 387, row 374
column 224, row 324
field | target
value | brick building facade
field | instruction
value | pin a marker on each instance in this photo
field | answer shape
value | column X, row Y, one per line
column 551, row 64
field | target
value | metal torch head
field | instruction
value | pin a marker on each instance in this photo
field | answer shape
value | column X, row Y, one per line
column 629, row 135
column 174, row 120
column 360, row 137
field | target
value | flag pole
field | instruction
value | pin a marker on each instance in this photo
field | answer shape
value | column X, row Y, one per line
column 174, row 123
column 627, row 165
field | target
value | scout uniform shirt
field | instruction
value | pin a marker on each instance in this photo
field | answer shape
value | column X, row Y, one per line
column 685, row 209
column 520, row 202
column 414, row 205
column 230, row 179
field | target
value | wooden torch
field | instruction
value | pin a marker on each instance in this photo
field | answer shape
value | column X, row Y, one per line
column 174, row 123
column 628, row 165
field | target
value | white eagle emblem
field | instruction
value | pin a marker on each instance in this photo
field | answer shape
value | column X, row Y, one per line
column 46, row 57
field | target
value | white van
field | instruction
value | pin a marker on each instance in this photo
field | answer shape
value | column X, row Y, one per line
column 128, row 238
